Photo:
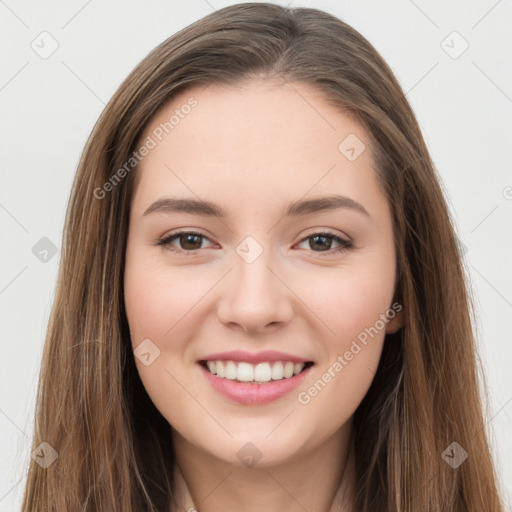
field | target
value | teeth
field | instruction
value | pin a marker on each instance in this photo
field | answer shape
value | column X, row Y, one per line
column 245, row 372
column 277, row 371
column 297, row 368
column 288, row 370
column 262, row 372
column 230, row 371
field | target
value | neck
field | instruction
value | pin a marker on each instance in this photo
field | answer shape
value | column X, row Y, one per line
column 320, row 480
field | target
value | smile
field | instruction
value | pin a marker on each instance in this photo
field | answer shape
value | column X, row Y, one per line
column 257, row 385
column 242, row 371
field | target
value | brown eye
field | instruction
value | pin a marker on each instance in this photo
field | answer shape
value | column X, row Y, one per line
column 190, row 241
column 187, row 241
column 322, row 243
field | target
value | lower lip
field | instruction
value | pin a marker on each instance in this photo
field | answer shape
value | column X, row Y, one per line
column 254, row 394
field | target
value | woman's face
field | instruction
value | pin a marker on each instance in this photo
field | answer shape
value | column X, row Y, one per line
column 273, row 286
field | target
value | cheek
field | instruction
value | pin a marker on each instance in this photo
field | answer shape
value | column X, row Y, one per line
column 349, row 302
column 155, row 305
column 157, row 299
column 149, row 305
column 356, row 301
column 352, row 357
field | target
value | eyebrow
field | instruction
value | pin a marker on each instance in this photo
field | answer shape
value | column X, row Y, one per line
column 297, row 208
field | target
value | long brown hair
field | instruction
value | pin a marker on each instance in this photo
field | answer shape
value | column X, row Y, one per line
column 114, row 447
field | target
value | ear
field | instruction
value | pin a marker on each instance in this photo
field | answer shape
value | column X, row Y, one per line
column 395, row 323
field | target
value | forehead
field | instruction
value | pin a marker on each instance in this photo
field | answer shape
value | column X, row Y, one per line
column 254, row 140
column 265, row 114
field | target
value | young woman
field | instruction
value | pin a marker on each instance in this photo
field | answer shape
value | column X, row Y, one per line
column 261, row 303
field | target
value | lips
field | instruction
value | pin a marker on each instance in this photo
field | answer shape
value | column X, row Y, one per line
column 253, row 393
column 266, row 356
column 253, row 378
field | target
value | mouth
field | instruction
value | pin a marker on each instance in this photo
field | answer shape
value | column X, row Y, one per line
column 258, row 374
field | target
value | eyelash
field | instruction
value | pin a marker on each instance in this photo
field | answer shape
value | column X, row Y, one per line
column 344, row 244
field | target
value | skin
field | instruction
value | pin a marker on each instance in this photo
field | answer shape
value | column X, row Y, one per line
column 252, row 150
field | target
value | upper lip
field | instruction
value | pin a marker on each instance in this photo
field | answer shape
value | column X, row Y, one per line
column 254, row 357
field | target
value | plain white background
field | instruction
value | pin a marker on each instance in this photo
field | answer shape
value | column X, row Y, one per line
column 462, row 99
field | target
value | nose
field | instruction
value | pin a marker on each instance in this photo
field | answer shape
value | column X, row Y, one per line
column 254, row 297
